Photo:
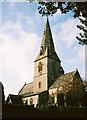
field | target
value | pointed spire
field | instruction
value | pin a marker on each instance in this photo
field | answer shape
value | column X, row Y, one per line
column 47, row 46
column 47, row 40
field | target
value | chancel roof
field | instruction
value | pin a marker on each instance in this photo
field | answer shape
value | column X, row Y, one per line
column 15, row 99
column 63, row 79
column 26, row 89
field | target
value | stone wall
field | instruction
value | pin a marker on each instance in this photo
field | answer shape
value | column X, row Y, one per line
column 40, row 76
column 26, row 100
column 53, row 69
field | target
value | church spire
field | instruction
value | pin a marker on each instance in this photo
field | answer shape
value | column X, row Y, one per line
column 47, row 46
column 47, row 41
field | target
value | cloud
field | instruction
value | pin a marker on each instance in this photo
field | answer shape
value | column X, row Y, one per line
column 56, row 15
column 76, row 60
column 66, row 31
column 72, row 54
column 80, row 59
column 18, row 50
column 12, row 5
column 27, row 19
column 80, row 51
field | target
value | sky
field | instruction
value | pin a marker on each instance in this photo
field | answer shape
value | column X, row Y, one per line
column 20, row 39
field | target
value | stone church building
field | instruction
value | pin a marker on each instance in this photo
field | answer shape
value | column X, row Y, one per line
column 51, row 85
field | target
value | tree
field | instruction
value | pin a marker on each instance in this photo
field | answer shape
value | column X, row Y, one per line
column 82, row 36
column 2, row 92
column 78, row 8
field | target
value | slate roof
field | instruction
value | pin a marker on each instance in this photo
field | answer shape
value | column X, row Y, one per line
column 63, row 79
column 15, row 99
column 26, row 89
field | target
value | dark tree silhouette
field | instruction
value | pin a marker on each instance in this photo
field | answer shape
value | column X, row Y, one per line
column 79, row 9
column 83, row 35
column 2, row 92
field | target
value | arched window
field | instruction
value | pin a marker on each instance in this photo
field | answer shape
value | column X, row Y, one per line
column 39, row 85
column 40, row 67
column 31, row 101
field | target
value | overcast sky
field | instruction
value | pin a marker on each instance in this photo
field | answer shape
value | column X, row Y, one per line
column 20, row 38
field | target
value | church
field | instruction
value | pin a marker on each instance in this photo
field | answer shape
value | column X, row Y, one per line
column 51, row 85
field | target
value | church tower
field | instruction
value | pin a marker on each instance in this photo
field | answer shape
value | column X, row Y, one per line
column 47, row 65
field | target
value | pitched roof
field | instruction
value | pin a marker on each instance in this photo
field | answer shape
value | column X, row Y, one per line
column 63, row 79
column 15, row 99
column 26, row 89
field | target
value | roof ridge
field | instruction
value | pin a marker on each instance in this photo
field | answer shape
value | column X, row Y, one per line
column 69, row 72
column 60, row 78
column 21, row 89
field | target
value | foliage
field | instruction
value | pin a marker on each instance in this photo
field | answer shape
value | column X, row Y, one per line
column 82, row 36
column 50, row 8
column 24, row 111
column 78, row 9
column 45, row 107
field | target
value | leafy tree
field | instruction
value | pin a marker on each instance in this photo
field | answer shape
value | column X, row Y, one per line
column 82, row 36
column 50, row 8
column 78, row 8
